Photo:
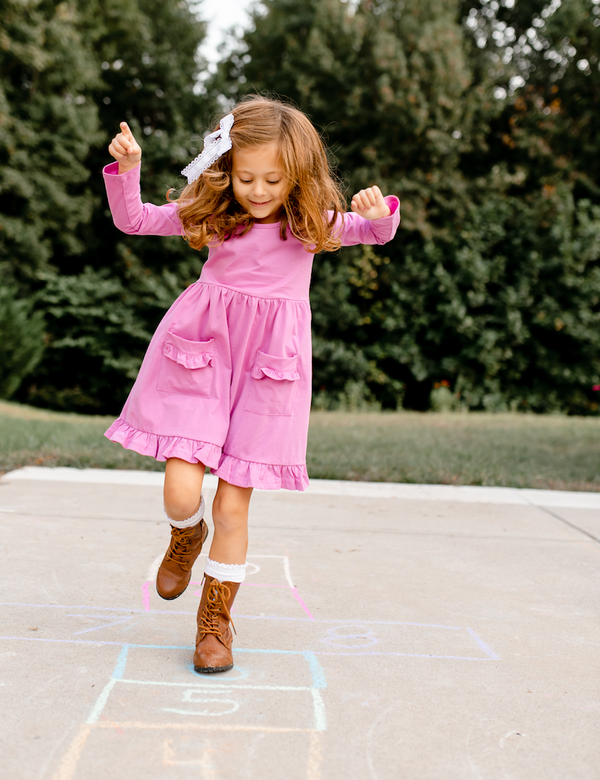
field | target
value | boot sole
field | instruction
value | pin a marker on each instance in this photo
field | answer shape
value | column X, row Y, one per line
column 211, row 669
column 172, row 598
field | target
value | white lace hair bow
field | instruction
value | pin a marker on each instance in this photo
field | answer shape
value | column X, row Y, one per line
column 215, row 145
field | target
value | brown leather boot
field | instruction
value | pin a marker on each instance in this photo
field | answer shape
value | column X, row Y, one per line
column 175, row 571
column 214, row 637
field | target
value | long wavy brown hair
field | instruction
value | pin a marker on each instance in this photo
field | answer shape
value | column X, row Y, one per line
column 208, row 209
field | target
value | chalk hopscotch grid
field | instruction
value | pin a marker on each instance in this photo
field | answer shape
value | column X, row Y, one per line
column 68, row 765
column 488, row 653
column 70, row 761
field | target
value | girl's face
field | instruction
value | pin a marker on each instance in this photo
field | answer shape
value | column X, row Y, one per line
column 258, row 183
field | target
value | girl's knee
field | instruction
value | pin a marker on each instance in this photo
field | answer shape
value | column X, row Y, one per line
column 183, row 486
column 181, row 503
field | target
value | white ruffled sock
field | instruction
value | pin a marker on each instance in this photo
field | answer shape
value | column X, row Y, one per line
column 193, row 520
column 225, row 572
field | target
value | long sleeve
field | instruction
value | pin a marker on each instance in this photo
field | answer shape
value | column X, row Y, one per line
column 355, row 229
column 129, row 213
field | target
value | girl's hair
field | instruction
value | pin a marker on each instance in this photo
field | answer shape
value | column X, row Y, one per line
column 208, row 209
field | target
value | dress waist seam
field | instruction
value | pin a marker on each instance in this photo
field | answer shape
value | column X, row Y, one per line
column 252, row 295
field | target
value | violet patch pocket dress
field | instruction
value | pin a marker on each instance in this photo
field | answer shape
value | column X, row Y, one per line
column 226, row 380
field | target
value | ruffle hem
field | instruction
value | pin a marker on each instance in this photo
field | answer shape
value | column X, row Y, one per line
column 243, row 473
column 163, row 447
column 265, row 476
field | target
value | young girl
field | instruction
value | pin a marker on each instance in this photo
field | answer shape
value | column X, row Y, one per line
column 226, row 381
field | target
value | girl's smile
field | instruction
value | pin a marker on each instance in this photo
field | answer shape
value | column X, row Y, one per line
column 258, row 182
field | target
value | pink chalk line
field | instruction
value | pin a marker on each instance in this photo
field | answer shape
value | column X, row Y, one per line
column 146, row 596
column 294, row 591
column 302, row 604
column 295, row 594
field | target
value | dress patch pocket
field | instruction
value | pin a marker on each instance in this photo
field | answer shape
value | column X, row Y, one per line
column 274, row 385
column 187, row 367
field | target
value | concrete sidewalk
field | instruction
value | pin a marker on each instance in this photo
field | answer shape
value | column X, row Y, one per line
column 384, row 632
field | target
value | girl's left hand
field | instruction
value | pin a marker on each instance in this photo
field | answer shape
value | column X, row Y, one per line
column 370, row 204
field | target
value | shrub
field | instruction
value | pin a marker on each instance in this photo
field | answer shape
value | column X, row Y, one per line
column 21, row 339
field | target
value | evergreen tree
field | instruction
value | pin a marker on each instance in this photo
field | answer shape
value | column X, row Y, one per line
column 47, row 125
column 21, row 338
column 545, row 57
column 103, row 293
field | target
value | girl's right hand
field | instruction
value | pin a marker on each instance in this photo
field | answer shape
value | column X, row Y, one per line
column 125, row 149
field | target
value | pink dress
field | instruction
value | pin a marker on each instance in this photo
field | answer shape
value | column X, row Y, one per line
column 226, row 380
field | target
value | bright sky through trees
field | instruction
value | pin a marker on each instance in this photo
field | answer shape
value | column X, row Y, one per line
column 221, row 15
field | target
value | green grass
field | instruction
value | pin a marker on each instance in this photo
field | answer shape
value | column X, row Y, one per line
column 459, row 449
column 35, row 437
column 511, row 450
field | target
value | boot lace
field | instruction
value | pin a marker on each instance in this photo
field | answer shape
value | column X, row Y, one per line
column 217, row 596
column 180, row 547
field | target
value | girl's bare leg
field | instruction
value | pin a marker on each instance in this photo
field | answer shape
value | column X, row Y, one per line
column 182, row 497
column 183, row 486
column 230, row 517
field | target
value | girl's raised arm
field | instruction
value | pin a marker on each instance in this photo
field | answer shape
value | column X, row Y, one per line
column 125, row 149
column 122, row 181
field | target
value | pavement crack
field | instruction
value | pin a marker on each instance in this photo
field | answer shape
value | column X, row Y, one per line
column 569, row 523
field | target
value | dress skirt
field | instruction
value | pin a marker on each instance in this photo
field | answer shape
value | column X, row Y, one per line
column 226, row 382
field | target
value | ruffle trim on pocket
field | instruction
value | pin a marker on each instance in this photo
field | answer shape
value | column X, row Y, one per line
column 162, row 447
column 259, row 371
column 263, row 476
column 187, row 360
column 275, row 367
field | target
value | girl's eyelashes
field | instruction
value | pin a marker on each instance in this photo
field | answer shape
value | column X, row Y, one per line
column 249, row 181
